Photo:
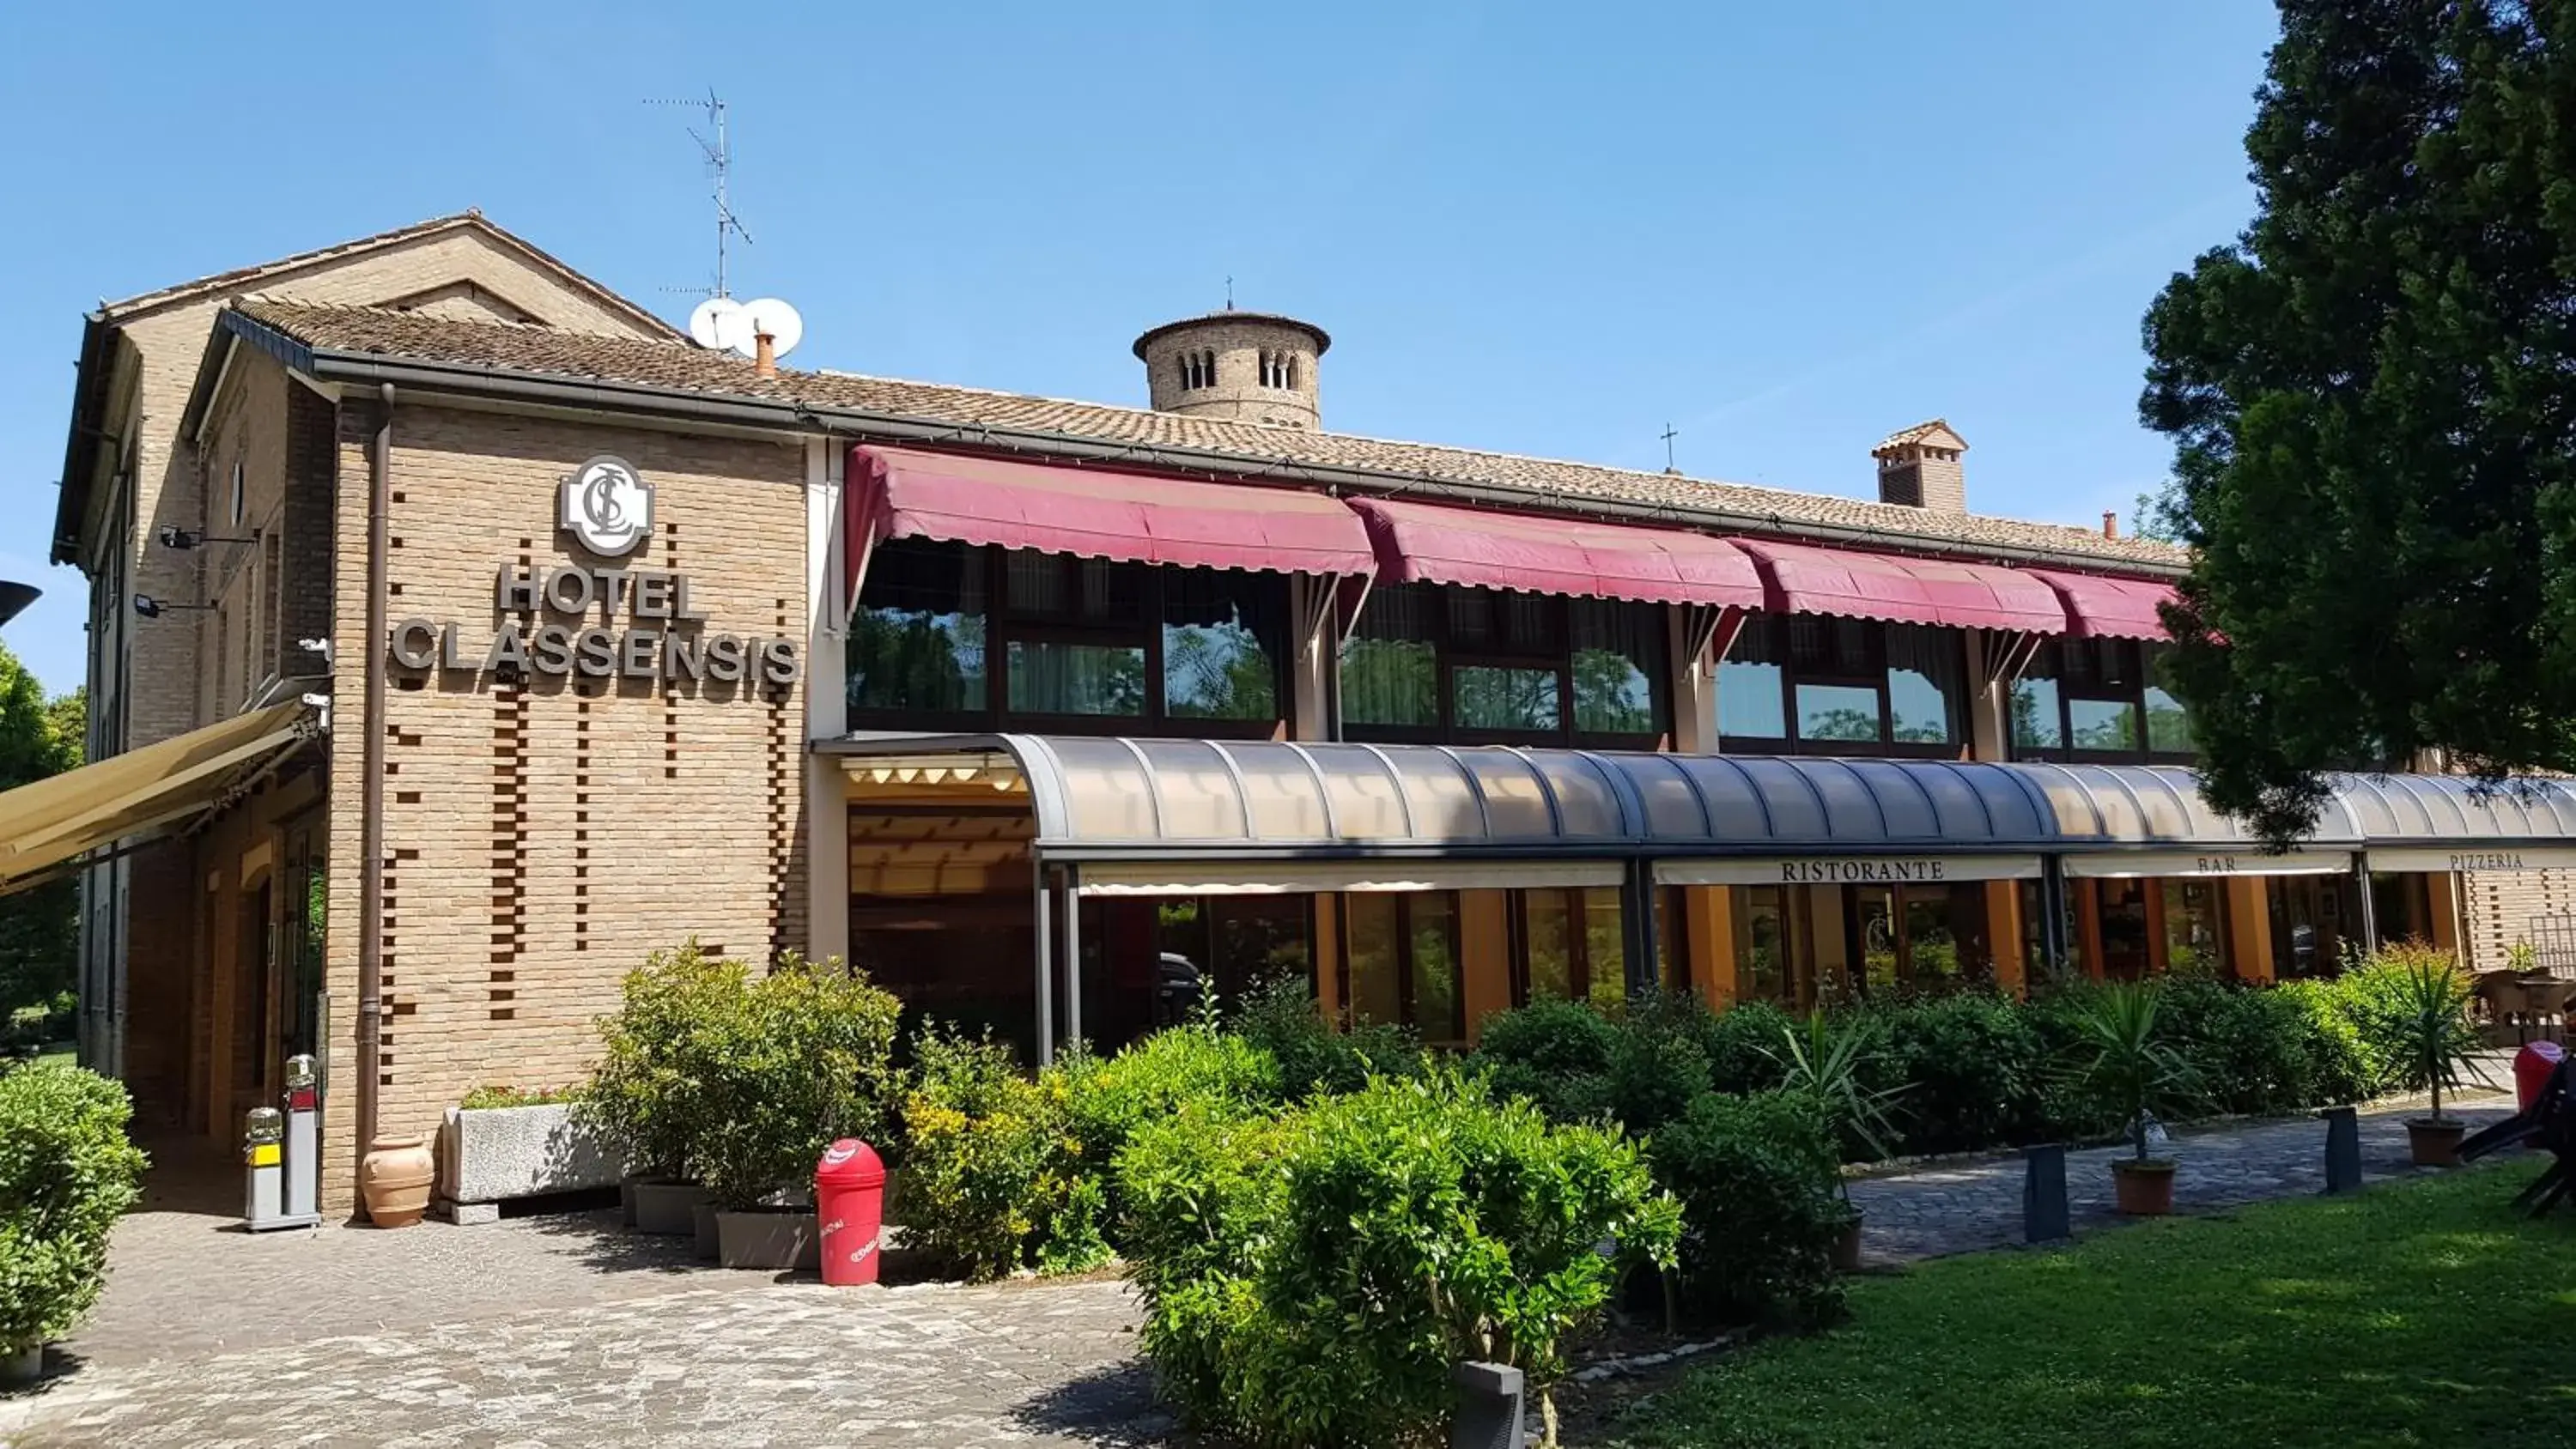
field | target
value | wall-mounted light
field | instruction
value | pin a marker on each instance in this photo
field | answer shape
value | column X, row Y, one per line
column 152, row 608
column 181, row 538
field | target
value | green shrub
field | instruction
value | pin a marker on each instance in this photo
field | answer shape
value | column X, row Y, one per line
column 1970, row 1068
column 990, row 1177
column 1394, row 1232
column 495, row 1096
column 2341, row 1066
column 1158, row 1075
column 641, row 1099
column 1553, row 1053
column 1757, row 1180
column 67, row 1173
column 1657, row 1069
column 2249, row 1048
column 1283, row 1020
column 1740, row 1042
column 2381, row 997
column 785, row 1064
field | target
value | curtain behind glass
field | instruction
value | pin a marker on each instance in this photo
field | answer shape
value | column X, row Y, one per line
column 1390, row 669
column 917, row 640
column 1224, row 633
column 1618, row 646
column 1927, row 672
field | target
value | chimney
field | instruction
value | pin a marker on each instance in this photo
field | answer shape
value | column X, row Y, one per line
column 2110, row 525
column 764, row 354
column 1919, row 467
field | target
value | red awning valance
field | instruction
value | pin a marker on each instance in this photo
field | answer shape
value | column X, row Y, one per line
column 1428, row 543
column 2108, row 608
column 1805, row 579
column 1095, row 513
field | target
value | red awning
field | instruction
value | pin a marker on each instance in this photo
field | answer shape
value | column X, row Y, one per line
column 1805, row 579
column 1427, row 543
column 1095, row 513
column 2107, row 608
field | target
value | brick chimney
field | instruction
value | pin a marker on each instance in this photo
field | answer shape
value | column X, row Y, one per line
column 764, row 354
column 2110, row 525
column 1919, row 467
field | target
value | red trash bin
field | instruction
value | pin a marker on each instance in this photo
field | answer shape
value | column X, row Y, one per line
column 849, row 1201
column 2531, row 1068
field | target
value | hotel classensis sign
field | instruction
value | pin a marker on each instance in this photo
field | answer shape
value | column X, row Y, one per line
column 598, row 622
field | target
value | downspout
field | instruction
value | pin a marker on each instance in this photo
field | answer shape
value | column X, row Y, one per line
column 371, row 786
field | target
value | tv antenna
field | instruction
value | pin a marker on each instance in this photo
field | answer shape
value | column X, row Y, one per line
column 719, row 154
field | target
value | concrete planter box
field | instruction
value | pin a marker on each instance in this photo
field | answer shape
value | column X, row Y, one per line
column 490, row 1156
column 667, row 1209
column 771, row 1238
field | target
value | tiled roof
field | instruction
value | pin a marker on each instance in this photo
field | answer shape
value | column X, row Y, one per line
column 683, row 367
column 242, row 279
column 1918, row 433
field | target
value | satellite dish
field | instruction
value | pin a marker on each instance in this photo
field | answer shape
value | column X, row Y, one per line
column 707, row 323
column 770, row 315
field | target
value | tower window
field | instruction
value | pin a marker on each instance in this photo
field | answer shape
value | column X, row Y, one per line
column 1279, row 370
column 1198, row 370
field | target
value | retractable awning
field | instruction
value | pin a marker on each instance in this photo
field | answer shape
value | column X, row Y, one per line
column 1806, row 579
column 2102, row 607
column 1430, row 543
column 154, row 790
column 1094, row 513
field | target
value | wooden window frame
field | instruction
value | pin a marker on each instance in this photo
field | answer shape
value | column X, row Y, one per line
column 1448, row 658
column 1873, row 679
column 1404, row 965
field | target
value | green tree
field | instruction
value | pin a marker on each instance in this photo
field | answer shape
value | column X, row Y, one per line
column 39, row 928
column 2373, row 408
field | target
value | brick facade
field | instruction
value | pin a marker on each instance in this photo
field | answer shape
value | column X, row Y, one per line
column 543, row 836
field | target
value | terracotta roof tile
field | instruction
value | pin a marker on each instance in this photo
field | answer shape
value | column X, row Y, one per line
column 685, row 367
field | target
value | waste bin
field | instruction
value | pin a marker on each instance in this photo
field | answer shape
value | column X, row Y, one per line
column 2531, row 1068
column 849, row 1201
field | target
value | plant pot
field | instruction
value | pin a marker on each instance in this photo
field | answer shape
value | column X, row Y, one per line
column 702, row 1220
column 2143, row 1189
column 494, row 1154
column 771, row 1238
column 667, row 1208
column 2435, row 1141
column 1847, row 1245
column 394, row 1180
column 25, row 1366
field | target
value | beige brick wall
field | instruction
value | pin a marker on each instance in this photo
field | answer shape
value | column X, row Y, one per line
column 2498, row 908
column 543, row 839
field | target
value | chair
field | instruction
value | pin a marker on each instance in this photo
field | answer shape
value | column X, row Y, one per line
column 2507, row 999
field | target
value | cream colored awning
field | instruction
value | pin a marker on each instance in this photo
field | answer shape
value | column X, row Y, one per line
column 153, row 790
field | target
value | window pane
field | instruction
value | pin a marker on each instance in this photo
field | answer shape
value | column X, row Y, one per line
column 2103, row 724
column 2168, row 725
column 1490, row 697
column 2036, row 724
column 1371, row 975
column 1874, row 910
column 1494, row 621
column 917, row 642
column 1837, row 712
column 1672, row 939
column 1617, row 649
column 1259, row 940
column 2195, row 926
column 1945, row 935
column 1604, row 948
column 1436, row 994
column 1097, row 679
column 1223, row 636
column 1548, row 928
column 1762, row 942
column 1390, row 669
column 1750, row 701
column 1926, row 682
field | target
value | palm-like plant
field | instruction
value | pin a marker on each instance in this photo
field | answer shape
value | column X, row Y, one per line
column 1824, row 1063
column 2121, row 1053
column 2432, row 1000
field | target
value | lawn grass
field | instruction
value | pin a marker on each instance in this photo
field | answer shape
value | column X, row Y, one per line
column 2427, row 1313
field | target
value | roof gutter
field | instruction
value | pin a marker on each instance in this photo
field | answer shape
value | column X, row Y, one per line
column 80, row 448
column 861, row 425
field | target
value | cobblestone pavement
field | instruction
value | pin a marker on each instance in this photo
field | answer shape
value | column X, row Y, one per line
column 1934, row 1210
column 551, row 1332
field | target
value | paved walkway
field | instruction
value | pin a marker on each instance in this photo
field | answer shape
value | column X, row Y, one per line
column 545, row 1333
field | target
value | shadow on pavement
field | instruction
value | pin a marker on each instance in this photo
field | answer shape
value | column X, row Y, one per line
column 1113, row 1406
column 604, row 1244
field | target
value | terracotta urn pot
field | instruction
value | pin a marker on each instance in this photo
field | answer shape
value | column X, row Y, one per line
column 2143, row 1189
column 394, row 1179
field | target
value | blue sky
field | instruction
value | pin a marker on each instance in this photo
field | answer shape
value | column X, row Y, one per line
column 1786, row 230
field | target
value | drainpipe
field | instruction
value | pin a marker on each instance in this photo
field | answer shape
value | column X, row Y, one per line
column 371, row 786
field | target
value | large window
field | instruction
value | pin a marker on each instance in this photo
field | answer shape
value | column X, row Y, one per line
column 1809, row 684
column 1400, row 962
column 947, row 634
column 1427, row 662
column 2094, row 699
column 1570, row 945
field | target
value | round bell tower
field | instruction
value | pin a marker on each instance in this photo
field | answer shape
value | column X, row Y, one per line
column 1250, row 367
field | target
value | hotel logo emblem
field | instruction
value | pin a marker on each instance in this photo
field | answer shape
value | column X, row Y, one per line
column 607, row 506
